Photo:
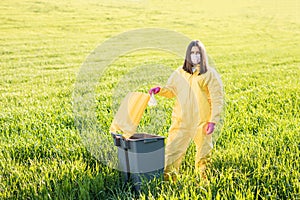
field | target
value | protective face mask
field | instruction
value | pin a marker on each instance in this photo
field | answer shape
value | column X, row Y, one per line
column 195, row 58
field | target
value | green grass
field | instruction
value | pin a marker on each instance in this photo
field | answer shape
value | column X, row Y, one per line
column 255, row 47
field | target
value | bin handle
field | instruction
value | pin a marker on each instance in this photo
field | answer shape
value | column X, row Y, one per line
column 117, row 138
column 149, row 140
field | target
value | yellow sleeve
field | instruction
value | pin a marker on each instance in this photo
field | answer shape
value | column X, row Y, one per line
column 216, row 94
column 169, row 90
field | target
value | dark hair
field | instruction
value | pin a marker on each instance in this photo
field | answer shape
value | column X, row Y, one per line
column 187, row 65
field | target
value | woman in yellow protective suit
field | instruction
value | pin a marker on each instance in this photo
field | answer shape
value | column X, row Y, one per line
column 199, row 100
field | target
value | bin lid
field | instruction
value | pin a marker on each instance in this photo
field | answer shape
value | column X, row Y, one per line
column 142, row 136
column 130, row 113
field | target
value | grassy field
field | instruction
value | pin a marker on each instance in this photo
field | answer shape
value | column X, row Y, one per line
column 254, row 45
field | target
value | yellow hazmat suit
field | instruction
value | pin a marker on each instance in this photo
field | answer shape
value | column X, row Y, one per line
column 199, row 100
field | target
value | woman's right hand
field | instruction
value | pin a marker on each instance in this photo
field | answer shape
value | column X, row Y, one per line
column 154, row 90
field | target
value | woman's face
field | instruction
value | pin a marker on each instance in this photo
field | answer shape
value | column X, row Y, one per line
column 195, row 55
column 195, row 50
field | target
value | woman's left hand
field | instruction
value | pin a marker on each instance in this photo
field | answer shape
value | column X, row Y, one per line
column 210, row 128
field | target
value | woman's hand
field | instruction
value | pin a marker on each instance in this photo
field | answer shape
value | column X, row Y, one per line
column 154, row 90
column 210, row 128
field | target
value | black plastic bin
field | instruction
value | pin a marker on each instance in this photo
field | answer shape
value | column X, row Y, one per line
column 141, row 157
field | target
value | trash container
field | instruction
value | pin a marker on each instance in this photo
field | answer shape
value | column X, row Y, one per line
column 141, row 157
